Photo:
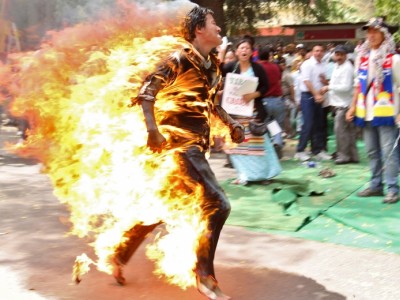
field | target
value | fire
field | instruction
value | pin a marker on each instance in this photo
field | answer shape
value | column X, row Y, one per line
column 76, row 91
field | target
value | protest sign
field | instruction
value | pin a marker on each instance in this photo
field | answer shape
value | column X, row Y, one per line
column 236, row 86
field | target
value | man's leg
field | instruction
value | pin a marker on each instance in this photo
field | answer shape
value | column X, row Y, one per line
column 307, row 109
column 124, row 252
column 216, row 209
column 387, row 138
column 371, row 139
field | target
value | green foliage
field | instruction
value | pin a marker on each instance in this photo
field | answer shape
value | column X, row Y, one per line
column 391, row 10
column 241, row 16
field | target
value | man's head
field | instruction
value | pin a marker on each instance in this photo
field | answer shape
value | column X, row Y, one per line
column 201, row 19
column 340, row 54
column 264, row 52
column 318, row 52
column 376, row 29
column 301, row 50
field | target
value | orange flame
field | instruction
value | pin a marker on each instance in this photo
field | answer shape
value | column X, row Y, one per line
column 75, row 91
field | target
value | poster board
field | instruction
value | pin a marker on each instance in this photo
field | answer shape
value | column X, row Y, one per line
column 236, row 86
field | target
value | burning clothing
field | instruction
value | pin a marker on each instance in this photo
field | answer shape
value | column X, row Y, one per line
column 186, row 85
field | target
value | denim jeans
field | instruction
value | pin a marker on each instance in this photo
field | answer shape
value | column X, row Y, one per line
column 383, row 160
column 275, row 108
column 313, row 128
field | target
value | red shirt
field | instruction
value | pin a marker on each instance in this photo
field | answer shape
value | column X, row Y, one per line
column 274, row 75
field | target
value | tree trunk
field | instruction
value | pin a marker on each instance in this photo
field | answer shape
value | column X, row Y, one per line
column 217, row 6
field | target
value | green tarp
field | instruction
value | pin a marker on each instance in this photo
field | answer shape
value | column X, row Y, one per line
column 303, row 204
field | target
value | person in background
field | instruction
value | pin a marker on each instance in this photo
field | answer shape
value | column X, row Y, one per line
column 288, row 98
column 312, row 76
column 375, row 108
column 229, row 56
column 272, row 99
column 289, row 55
column 255, row 158
column 340, row 90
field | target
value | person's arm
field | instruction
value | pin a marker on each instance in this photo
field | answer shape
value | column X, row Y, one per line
column 236, row 129
column 396, row 77
column 352, row 109
column 147, row 97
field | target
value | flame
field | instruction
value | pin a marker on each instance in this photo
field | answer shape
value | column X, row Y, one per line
column 75, row 91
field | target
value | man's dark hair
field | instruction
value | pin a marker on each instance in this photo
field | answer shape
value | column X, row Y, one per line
column 196, row 18
column 264, row 52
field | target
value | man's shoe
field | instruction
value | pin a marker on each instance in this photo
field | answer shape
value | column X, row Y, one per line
column 391, row 198
column 370, row 193
column 117, row 271
column 303, row 156
column 323, row 156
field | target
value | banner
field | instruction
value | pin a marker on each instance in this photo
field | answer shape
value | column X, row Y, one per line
column 236, row 86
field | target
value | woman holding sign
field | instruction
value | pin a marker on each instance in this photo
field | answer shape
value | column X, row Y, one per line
column 245, row 82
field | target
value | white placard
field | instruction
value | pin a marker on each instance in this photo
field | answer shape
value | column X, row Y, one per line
column 236, row 86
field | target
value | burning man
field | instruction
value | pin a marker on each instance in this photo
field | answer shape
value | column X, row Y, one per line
column 189, row 79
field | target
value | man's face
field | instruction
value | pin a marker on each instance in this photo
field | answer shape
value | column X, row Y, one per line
column 318, row 52
column 340, row 57
column 211, row 32
column 375, row 37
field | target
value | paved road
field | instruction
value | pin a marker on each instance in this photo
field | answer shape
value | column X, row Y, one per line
column 36, row 255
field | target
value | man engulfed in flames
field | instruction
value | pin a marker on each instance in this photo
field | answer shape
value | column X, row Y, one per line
column 76, row 90
column 185, row 86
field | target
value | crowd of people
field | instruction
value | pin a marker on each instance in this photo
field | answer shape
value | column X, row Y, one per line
column 303, row 87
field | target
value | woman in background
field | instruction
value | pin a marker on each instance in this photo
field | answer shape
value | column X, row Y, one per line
column 254, row 159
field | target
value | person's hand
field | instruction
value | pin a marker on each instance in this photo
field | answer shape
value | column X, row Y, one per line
column 319, row 98
column 247, row 97
column 224, row 44
column 324, row 89
column 237, row 134
column 350, row 114
column 398, row 120
column 156, row 141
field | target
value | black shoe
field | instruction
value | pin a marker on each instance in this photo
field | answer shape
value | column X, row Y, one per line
column 228, row 165
column 391, row 198
column 370, row 193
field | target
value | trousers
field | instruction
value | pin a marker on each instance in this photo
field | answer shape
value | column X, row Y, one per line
column 215, row 209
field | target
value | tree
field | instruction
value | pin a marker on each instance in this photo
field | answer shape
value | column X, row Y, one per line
column 391, row 10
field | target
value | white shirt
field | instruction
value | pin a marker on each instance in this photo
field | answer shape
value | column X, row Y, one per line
column 341, row 85
column 296, row 86
column 311, row 70
column 371, row 75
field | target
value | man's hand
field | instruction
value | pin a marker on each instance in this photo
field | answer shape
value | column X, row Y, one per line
column 156, row 141
column 237, row 134
column 319, row 98
column 350, row 114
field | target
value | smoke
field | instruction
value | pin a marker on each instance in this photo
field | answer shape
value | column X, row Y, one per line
column 35, row 18
column 90, row 10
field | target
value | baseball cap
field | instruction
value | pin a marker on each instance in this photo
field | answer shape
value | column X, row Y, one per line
column 376, row 22
column 299, row 46
column 340, row 48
